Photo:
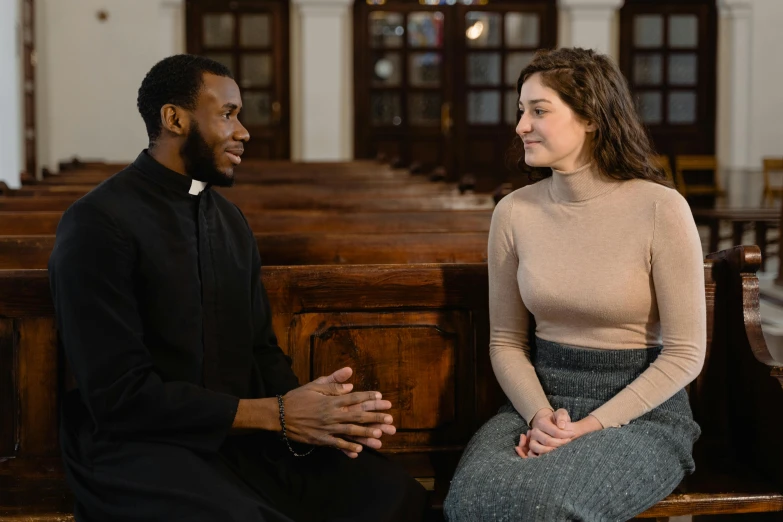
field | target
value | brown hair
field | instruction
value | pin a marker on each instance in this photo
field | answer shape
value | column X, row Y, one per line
column 593, row 87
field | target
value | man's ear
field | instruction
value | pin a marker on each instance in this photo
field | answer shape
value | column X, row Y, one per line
column 175, row 119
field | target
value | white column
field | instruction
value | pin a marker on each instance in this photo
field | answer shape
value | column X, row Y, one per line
column 593, row 24
column 171, row 16
column 735, row 128
column 11, row 156
column 324, row 76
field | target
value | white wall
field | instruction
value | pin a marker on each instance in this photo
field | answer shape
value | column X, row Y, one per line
column 90, row 72
column 20, row 86
column 766, row 100
column 10, row 93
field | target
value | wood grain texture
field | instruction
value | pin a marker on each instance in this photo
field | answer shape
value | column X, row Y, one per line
column 38, row 386
column 8, row 385
column 33, row 252
column 303, row 221
column 419, row 334
column 270, row 200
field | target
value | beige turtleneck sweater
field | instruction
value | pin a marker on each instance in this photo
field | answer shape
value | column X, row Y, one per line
column 601, row 264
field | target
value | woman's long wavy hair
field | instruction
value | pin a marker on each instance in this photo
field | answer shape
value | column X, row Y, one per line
column 593, row 87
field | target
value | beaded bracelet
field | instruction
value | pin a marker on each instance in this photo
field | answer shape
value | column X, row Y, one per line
column 282, row 425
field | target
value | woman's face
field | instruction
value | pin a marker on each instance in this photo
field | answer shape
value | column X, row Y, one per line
column 553, row 135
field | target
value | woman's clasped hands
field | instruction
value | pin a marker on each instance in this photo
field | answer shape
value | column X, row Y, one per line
column 550, row 430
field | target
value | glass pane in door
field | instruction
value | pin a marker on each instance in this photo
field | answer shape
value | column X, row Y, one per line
column 484, row 69
column 482, row 29
column 683, row 31
column 425, row 29
column 386, row 29
column 425, row 70
column 256, row 108
column 647, row 69
column 256, row 70
column 424, row 108
column 255, row 30
column 650, row 107
column 648, row 30
column 387, row 70
column 522, row 30
column 386, row 108
column 483, row 107
column 218, row 30
column 682, row 107
column 682, row 69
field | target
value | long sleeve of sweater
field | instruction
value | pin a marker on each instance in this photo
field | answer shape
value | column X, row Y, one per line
column 600, row 264
column 509, row 346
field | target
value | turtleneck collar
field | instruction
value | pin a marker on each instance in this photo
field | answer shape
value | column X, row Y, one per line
column 581, row 184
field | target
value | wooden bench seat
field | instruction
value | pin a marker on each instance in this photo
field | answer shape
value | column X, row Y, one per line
column 254, row 171
column 31, row 252
column 330, row 316
column 270, row 200
column 282, row 188
column 286, row 221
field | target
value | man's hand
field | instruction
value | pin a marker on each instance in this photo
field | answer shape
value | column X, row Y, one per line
column 326, row 413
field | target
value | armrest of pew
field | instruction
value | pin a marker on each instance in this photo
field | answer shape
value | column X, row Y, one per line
column 743, row 263
column 753, row 400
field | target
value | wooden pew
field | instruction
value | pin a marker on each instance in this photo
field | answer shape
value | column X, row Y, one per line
column 288, row 221
column 32, row 252
column 254, row 171
column 439, row 379
column 269, row 200
column 381, row 187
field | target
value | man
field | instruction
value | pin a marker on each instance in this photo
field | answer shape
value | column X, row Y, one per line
column 182, row 388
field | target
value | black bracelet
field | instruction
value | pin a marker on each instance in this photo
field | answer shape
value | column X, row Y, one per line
column 282, row 425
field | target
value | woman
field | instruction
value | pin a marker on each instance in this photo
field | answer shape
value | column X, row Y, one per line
column 607, row 258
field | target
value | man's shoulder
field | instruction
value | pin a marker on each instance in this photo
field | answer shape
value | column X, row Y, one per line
column 102, row 204
column 110, row 191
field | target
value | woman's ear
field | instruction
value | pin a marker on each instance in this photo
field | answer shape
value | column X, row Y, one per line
column 174, row 119
column 591, row 127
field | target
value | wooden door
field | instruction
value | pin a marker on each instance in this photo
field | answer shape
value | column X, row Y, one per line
column 494, row 43
column 250, row 37
column 435, row 80
column 403, row 88
column 668, row 53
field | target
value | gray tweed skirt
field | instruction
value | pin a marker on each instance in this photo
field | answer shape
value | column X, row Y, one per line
column 611, row 474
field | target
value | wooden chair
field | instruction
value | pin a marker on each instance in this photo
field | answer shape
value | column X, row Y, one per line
column 687, row 163
column 663, row 162
column 770, row 193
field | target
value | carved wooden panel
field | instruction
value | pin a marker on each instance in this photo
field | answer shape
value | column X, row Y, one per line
column 8, row 402
column 38, row 393
column 415, row 359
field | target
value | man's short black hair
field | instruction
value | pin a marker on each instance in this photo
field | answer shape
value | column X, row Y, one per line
column 177, row 80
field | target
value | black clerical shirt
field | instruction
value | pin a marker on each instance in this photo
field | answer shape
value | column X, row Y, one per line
column 161, row 311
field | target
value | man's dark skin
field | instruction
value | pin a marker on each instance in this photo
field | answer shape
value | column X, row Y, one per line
column 324, row 412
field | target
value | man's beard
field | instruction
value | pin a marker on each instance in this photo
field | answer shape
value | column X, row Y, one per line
column 200, row 161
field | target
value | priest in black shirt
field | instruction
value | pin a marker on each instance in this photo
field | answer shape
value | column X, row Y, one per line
column 166, row 325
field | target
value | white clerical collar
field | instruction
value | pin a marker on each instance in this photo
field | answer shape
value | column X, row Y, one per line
column 196, row 187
